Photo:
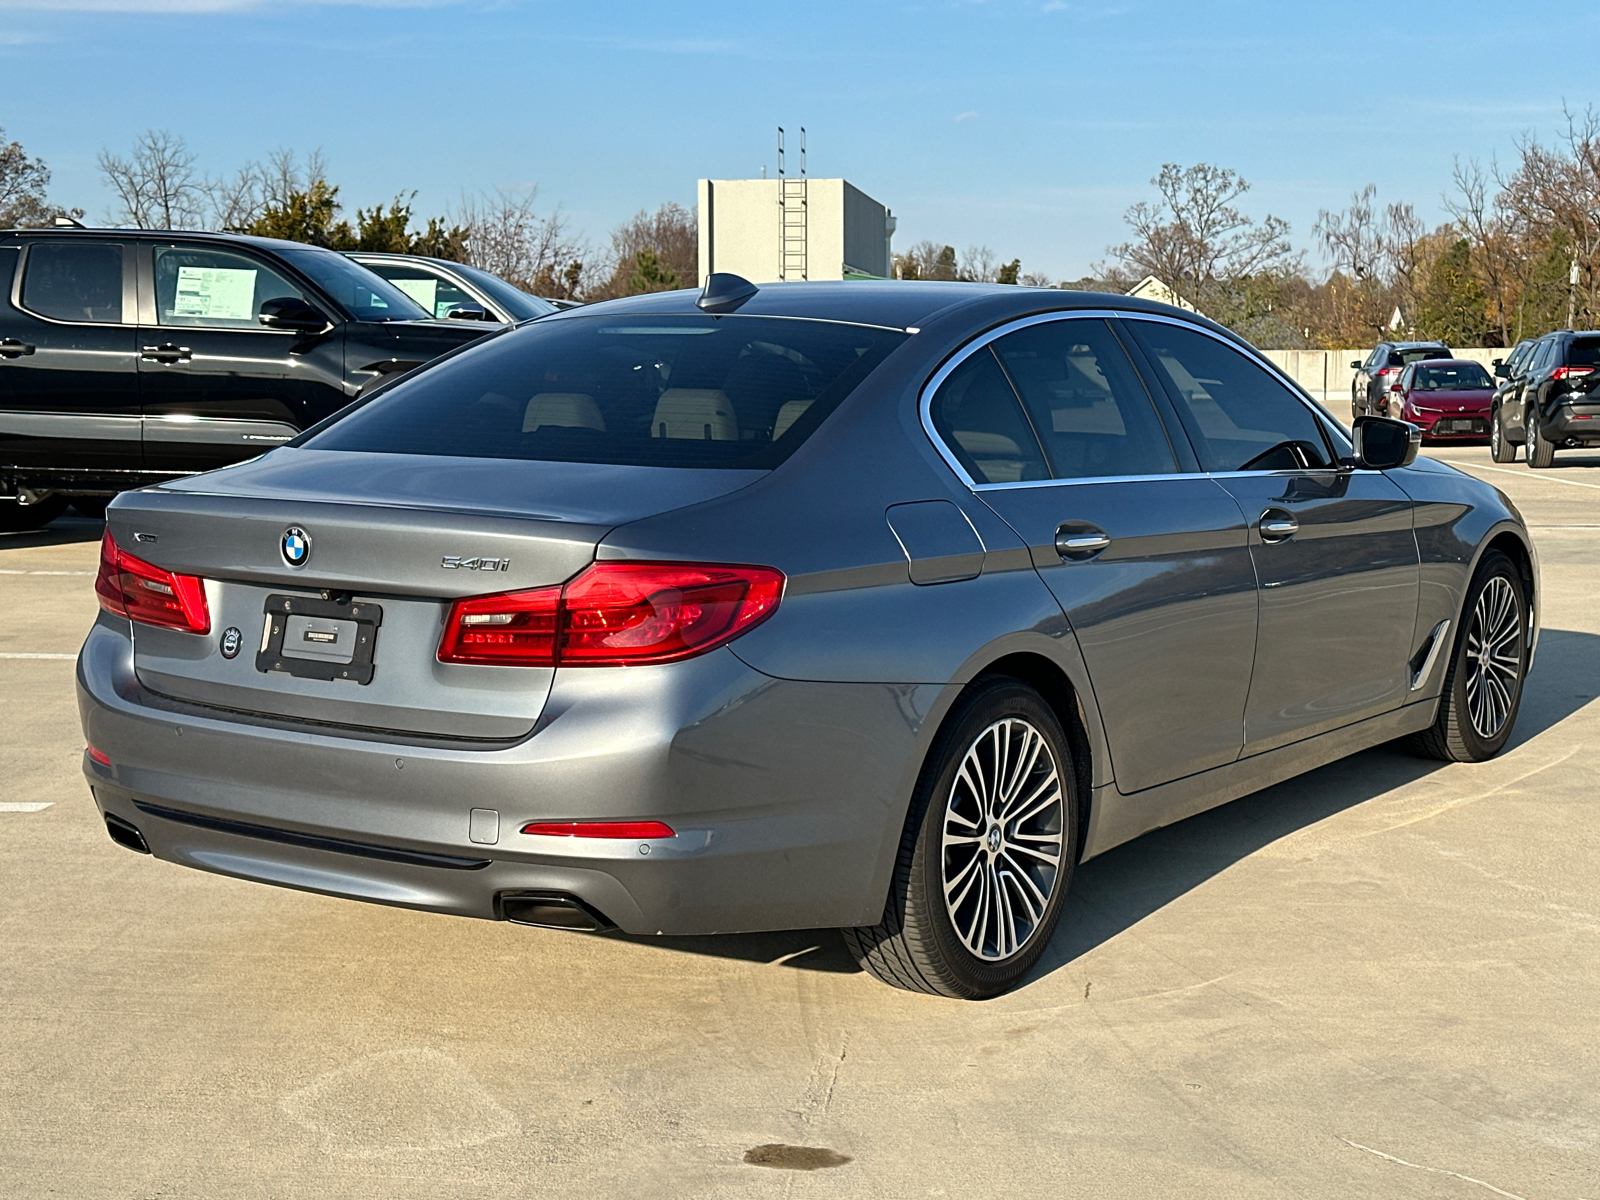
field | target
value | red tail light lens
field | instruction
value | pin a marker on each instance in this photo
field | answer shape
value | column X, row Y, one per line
column 599, row 829
column 1570, row 372
column 99, row 756
column 613, row 615
column 140, row 591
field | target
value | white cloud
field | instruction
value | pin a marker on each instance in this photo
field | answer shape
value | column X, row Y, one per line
column 966, row 116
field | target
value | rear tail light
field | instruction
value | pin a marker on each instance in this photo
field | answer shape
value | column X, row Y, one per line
column 1570, row 372
column 140, row 591
column 613, row 614
column 599, row 829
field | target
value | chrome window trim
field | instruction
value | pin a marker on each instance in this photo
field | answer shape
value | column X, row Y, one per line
column 968, row 349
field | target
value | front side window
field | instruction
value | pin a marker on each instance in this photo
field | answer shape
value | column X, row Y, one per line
column 977, row 415
column 218, row 289
column 74, row 281
column 433, row 292
column 1237, row 414
column 518, row 304
column 666, row 391
column 1085, row 402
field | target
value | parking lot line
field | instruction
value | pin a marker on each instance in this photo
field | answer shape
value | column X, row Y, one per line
column 62, row 657
column 1454, row 462
column 24, row 805
column 14, row 571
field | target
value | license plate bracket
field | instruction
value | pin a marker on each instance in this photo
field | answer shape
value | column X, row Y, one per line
column 315, row 619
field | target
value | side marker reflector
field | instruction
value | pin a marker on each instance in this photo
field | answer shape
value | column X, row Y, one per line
column 599, row 829
column 99, row 756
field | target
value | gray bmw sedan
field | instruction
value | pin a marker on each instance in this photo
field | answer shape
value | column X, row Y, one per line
column 869, row 605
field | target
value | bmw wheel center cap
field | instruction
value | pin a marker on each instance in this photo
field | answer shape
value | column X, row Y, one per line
column 295, row 546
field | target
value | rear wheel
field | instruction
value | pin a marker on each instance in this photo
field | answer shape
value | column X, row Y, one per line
column 987, row 853
column 1541, row 450
column 1501, row 448
column 1483, row 683
column 16, row 517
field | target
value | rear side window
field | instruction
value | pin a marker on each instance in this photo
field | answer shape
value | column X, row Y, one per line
column 668, row 391
column 74, row 281
column 1584, row 352
column 196, row 285
column 1239, row 417
column 1085, row 401
column 977, row 416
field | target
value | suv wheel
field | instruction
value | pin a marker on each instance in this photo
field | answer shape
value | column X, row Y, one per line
column 1541, row 450
column 1501, row 449
column 987, row 853
column 1483, row 684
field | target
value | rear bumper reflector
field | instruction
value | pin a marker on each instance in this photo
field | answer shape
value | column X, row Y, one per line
column 289, row 837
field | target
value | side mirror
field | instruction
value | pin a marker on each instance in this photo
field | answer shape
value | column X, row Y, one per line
column 468, row 312
column 1383, row 444
column 1355, row 366
column 1500, row 369
column 292, row 315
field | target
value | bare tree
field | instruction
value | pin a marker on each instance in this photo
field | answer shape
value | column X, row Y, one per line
column 1491, row 237
column 927, row 260
column 23, row 182
column 157, row 186
column 1553, row 202
column 1196, row 239
column 978, row 265
column 508, row 236
column 652, row 252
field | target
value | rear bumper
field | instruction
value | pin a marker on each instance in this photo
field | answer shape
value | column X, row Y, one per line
column 787, row 798
column 1577, row 424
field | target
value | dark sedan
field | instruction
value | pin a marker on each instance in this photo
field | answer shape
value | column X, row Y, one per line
column 869, row 605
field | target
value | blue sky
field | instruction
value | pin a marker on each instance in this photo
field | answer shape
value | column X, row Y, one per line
column 1026, row 125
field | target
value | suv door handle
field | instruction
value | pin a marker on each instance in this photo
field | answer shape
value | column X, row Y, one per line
column 1078, row 540
column 12, row 348
column 1278, row 525
column 165, row 353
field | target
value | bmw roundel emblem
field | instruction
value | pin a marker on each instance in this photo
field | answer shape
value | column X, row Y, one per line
column 295, row 546
column 232, row 639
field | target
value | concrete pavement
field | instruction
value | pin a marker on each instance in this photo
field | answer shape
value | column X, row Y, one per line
column 1377, row 980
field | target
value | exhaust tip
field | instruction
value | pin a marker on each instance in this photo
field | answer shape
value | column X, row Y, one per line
column 551, row 910
column 125, row 833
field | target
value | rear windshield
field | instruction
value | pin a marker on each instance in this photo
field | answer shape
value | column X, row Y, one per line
column 1584, row 352
column 520, row 305
column 1457, row 377
column 1402, row 358
column 731, row 392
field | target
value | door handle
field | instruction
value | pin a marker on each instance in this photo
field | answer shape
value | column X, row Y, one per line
column 12, row 348
column 1078, row 541
column 165, row 353
column 1276, row 525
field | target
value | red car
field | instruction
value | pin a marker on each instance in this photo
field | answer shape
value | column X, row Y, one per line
column 1449, row 398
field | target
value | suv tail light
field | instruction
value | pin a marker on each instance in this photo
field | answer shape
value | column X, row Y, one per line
column 140, row 591
column 1570, row 372
column 613, row 614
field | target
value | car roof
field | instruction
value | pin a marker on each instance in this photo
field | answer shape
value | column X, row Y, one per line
column 233, row 239
column 394, row 256
column 897, row 304
column 1447, row 362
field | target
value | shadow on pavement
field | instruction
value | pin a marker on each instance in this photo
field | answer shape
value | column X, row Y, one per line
column 1118, row 889
column 63, row 531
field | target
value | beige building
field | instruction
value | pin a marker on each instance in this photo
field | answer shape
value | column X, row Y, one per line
column 792, row 229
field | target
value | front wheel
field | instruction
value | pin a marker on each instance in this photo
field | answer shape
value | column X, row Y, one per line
column 1541, row 450
column 1483, row 684
column 987, row 852
column 1501, row 448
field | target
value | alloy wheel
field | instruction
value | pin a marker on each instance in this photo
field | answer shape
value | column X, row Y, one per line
column 1494, row 657
column 1002, row 839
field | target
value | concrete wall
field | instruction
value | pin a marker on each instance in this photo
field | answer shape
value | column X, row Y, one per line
column 1326, row 374
column 738, row 221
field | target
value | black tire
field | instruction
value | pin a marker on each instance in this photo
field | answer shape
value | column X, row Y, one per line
column 1457, row 735
column 15, row 518
column 1355, row 410
column 917, row 945
column 1541, row 450
column 93, row 507
column 1501, row 448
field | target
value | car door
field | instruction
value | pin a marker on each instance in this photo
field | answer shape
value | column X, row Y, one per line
column 69, row 389
column 1058, row 435
column 216, row 385
column 1334, row 549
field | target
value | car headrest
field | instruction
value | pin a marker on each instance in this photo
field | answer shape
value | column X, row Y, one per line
column 700, row 414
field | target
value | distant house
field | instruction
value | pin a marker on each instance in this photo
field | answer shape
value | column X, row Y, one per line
column 1151, row 288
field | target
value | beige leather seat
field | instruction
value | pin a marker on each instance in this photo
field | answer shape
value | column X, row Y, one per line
column 701, row 414
column 787, row 416
column 997, row 456
column 568, row 410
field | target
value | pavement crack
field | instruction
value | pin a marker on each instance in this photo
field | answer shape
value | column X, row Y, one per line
column 1434, row 1170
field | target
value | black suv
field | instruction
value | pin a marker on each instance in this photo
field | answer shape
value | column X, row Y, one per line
column 128, row 357
column 1510, row 373
column 1557, row 405
column 1369, row 390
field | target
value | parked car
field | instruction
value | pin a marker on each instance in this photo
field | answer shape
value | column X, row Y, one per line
column 1554, row 408
column 1509, row 373
column 1369, row 390
column 1447, row 398
column 868, row 605
column 455, row 290
column 128, row 357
